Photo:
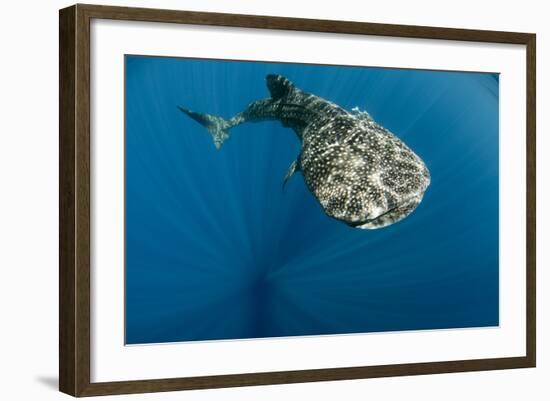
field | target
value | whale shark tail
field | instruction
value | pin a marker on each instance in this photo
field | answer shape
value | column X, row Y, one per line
column 218, row 127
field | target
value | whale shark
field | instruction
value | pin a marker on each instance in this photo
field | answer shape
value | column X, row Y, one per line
column 359, row 172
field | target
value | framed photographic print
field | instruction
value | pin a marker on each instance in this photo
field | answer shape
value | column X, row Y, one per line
column 251, row 200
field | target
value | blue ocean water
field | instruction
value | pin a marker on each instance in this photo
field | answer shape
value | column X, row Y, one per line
column 216, row 250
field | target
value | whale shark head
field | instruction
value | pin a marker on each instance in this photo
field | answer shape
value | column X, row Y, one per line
column 376, row 199
column 366, row 178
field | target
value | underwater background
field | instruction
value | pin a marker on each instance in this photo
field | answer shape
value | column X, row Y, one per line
column 216, row 250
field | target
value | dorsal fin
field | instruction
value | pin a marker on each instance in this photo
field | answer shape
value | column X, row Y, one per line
column 278, row 86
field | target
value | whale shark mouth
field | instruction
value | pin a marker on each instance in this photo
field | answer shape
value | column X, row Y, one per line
column 390, row 216
column 358, row 224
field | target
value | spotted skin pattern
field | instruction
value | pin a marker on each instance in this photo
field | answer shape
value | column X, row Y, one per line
column 359, row 172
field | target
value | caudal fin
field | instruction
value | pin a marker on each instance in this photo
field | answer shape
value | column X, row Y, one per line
column 218, row 127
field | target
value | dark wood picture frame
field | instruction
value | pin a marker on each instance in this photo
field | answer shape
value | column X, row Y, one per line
column 74, row 200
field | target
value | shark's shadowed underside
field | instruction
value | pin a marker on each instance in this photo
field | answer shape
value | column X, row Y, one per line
column 359, row 172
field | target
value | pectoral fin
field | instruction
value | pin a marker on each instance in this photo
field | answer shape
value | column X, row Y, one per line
column 295, row 166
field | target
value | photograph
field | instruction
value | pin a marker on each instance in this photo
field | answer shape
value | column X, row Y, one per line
column 280, row 199
column 275, row 200
column 250, row 200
